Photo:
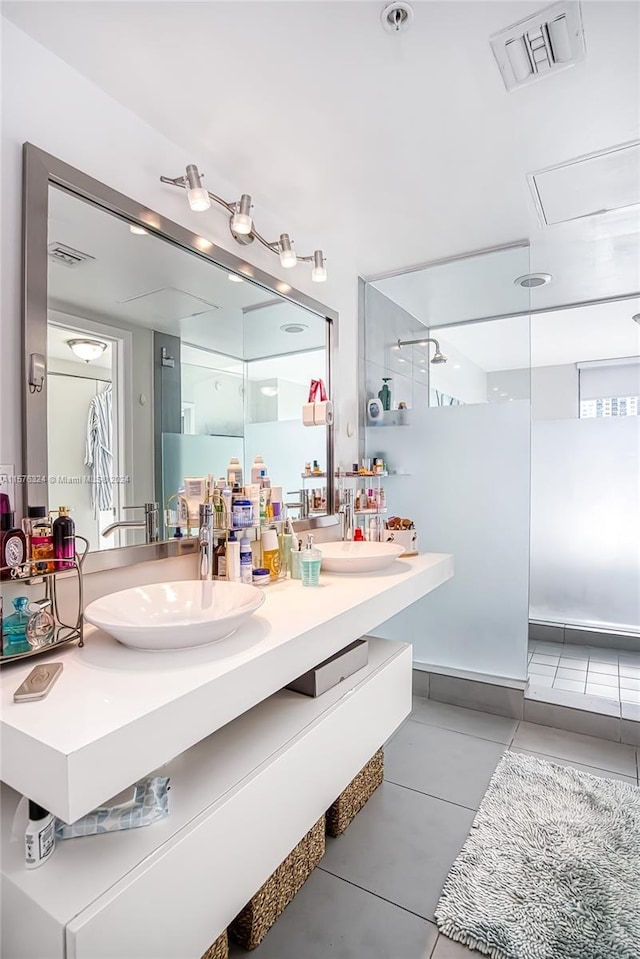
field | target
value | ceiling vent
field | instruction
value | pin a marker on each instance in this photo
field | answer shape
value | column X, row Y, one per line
column 587, row 186
column 67, row 256
column 541, row 45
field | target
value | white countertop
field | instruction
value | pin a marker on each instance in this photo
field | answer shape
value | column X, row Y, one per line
column 117, row 713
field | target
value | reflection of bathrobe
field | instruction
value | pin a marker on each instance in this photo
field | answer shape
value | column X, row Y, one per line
column 99, row 457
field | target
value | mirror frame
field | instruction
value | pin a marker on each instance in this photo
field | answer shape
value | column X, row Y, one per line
column 40, row 170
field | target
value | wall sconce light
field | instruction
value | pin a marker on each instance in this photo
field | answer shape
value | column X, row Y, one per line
column 241, row 223
column 87, row 350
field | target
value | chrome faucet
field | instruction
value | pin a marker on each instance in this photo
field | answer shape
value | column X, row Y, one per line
column 347, row 515
column 206, row 543
column 149, row 524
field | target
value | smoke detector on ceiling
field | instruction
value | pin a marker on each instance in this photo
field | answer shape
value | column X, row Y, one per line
column 396, row 16
column 549, row 41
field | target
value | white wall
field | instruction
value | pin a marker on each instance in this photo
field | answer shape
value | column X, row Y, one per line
column 49, row 104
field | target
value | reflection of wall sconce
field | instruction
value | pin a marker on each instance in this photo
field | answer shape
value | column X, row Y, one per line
column 241, row 223
column 87, row 350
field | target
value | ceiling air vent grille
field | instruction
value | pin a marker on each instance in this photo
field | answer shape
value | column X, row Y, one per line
column 545, row 43
column 67, row 256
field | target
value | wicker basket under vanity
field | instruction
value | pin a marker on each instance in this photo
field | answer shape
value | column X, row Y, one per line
column 219, row 949
column 352, row 799
column 251, row 925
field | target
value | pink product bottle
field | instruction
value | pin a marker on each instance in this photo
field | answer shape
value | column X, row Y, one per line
column 64, row 539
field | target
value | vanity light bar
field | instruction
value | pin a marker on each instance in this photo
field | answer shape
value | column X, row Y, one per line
column 241, row 224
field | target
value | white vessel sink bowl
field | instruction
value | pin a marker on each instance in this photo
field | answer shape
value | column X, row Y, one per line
column 358, row 557
column 175, row 615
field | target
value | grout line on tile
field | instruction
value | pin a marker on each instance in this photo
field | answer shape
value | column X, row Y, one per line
column 431, row 795
column 376, row 895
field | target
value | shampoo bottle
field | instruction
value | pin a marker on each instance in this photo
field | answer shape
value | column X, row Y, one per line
column 258, row 470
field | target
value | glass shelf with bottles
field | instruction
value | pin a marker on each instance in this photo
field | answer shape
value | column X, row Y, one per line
column 35, row 626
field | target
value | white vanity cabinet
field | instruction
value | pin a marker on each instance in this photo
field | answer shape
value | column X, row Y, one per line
column 240, row 801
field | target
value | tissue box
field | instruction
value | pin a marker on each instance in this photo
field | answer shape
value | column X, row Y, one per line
column 333, row 670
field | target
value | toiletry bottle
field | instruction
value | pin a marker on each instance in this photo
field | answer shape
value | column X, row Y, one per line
column 227, row 506
column 276, row 501
column 220, row 561
column 271, row 553
column 384, row 395
column 264, row 502
column 13, row 545
column 258, row 470
column 246, row 561
column 41, row 541
column 234, row 472
column 40, row 628
column 14, row 628
column 39, row 837
column 310, row 563
column 233, row 559
column 64, row 539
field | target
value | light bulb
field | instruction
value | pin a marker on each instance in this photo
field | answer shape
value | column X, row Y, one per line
column 241, row 221
column 137, row 230
column 198, row 199
column 319, row 271
column 288, row 256
column 87, row 350
column 196, row 194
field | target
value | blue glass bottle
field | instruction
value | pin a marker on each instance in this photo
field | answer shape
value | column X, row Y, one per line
column 14, row 628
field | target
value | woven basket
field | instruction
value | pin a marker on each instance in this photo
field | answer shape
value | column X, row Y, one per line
column 251, row 925
column 219, row 949
column 352, row 799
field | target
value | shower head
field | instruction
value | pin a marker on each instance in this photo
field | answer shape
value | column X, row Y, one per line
column 439, row 357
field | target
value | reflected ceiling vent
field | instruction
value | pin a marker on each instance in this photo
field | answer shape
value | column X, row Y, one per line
column 396, row 17
column 545, row 43
column 67, row 256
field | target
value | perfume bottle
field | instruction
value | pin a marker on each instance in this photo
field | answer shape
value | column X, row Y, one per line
column 14, row 628
column 13, row 545
column 41, row 625
column 38, row 529
column 64, row 539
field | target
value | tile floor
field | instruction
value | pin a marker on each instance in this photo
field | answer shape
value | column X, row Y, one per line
column 374, row 894
column 608, row 673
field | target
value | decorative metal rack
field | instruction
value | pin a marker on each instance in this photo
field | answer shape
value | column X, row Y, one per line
column 63, row 632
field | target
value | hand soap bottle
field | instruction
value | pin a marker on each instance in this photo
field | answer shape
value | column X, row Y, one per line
column 310, row 563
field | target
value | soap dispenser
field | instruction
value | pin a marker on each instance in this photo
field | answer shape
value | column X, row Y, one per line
column 310, row 563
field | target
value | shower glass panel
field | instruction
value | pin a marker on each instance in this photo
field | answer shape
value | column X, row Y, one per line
column 459, row 454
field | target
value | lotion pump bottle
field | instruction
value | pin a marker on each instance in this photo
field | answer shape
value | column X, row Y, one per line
column 39, row 837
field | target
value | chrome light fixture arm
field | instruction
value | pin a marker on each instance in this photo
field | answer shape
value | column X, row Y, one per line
column 241, row 224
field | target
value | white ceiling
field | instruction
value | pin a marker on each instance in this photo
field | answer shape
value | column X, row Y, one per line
column 386, row 150
column 548, row 339
column 145, row 281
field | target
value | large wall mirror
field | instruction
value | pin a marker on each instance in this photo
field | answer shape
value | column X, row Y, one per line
column 163, row 358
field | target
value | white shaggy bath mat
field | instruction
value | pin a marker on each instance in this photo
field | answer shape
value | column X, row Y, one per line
column 550, row 869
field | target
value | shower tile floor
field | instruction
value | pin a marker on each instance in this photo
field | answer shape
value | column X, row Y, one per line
column 608, row 673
